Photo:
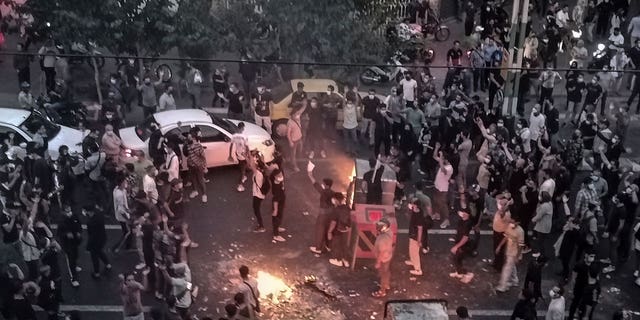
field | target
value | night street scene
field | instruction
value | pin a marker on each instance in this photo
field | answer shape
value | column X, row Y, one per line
column 319, row 160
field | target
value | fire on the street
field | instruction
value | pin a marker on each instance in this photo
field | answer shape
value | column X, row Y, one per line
column 272, row 287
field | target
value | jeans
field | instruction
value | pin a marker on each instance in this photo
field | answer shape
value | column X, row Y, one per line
column 263, row 121
column 197, row 178
column 509, row 273
column 477, row 81
column 414, row 254
column 350, row 139
column 257, row 202
column 384, row 272
column 276, row 221
column 368, row 125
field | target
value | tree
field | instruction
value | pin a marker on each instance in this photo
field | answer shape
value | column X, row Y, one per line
column 302, row 30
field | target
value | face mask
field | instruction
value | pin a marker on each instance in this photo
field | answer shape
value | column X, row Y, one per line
column 594, row 81
column 328, row 93
column 109, row 133
column 147, row 83
column 314, row 104
column 552, row 294
column 614, row 141
column 279, row 180
column 519, row 126
column 113, row 81
column 261, row 91
column 371, row 96
column 500, row 125
column 109, row 116
column 512, row 225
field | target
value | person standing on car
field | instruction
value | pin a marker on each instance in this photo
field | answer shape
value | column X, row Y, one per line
column 294, row 134
column 262, row 106
column 315, row 131
column 235, row 98
column 48, row 55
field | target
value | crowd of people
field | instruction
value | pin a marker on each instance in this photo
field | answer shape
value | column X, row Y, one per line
column 458, row 161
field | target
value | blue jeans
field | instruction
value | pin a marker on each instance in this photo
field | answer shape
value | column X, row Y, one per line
column 350, row 139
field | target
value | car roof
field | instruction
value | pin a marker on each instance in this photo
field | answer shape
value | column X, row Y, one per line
column 314, row 85
column 14, row 117
column 166, row 118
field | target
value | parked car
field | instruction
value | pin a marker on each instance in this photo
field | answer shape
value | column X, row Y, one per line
column 25, row 123
column 216, row 134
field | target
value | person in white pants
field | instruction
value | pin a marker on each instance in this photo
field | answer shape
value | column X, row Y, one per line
column 514, row 240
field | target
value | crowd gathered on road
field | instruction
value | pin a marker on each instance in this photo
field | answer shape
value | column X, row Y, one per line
column 458, row 161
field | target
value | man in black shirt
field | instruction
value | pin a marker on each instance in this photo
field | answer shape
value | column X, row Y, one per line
column 575, row 91
column 416, row 228
column 70, row 233
column 581, row 273
column 322, row 220
column 370, row 104
column 278, row 200
column 454, row 55
column 382, row 132
column 594, row 93
column 372, row 182
column 299, row 96
column 339, row 226
column 462, row 247
column 96, row 239
column 262, row 105
column 156, row 146
column 235, row 97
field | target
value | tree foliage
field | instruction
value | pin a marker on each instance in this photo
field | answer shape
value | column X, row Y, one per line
column 321, row 31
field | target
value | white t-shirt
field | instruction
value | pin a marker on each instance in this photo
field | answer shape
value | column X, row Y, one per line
column 408, row 89
column 240, row 143
column 525, row 135
column 562, row 18
column 257, row 183
column 549, row 186
column 149, row 187
column 442, row 179
column 617, row 40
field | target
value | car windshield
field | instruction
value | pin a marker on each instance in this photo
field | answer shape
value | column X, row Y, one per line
column 223, row 123
column 143, row 130
column 35, row 121
column 281, row 91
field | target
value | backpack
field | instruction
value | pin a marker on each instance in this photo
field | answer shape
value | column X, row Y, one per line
column 266, row 186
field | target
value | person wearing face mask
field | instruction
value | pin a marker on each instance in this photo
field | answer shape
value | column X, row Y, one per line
column 167, row 102
column 556, row 308
column 235, row 100
column 548, row 82
column 111, row 143
column 339, row 227
column 315, row 134
column 383, row 250
column 331, row 102
column 462, row 247
column 580, row 277
column 513, row 240
column 575, row 92
column 278, row 201
column 148, row 99
column 543, row 222
column 370, row 104
column 432, row 110
column 262, row 106
column 416, row 227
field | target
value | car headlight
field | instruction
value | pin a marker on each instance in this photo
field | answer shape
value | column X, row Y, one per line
column 268, row 142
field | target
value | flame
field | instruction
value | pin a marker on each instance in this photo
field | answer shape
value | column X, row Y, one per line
column 272, row 287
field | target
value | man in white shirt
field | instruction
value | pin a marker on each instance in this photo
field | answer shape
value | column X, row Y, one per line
column 556, row 305
column 616, row 40
column 634, row 28
column 441, row 183
column 562, row 17
column 167, row 102
column 409, row 89
column 548, row 185
column 536, row 123
column 149, row 184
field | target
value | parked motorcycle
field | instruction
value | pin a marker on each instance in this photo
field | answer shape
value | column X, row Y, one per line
column 434, row 27
column 85, row 53
column 378, row 75
column 66, row 113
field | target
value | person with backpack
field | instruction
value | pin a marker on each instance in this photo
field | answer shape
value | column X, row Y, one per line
column 260, row 189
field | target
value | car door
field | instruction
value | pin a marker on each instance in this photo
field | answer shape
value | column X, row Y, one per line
column 216, row 143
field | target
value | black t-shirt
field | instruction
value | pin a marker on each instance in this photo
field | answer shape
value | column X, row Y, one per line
column 325, row 195
column 497, row 76
column 13, row 235
column 370, row 106
column 383, row 127
column 463, row 229
column 342, row 216
column 315, row 119
column 154, row 152
column 262, row 103
column 454, row 54
column 235, row 105
column 582, row 274
column 593, row 92
column 298, row 97
column 219, row 83
column 277, row 191
column 416, row 220
column 176, row 204
column 614, row 151
column 617, row 213
column 574, row 90
column 374, row 185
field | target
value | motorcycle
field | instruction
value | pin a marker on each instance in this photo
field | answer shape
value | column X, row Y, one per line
column 434, row 27
column 601, row 58
column 377, row 75
column 66, row 113
column 147, row 64
column 85, row 53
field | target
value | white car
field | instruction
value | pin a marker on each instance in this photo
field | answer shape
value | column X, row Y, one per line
column 216, row 134
column 24, row 124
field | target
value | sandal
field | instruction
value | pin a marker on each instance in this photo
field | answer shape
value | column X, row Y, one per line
column 379, row 294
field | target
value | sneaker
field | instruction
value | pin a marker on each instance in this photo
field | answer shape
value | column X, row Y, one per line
column 279, row 239
column 466, row 278
column 240, row 188
column 146, row 271
column 244, row 178
column 526, row 250
column 311, row 155
column 408, row 262
column 75, row 283
column 345, row 263
column 159, row 296
column 323, row 154
column 95, row 275
column 78, row 269
column 502, row 289
column 193, row 194
column 141, row 266
column 188, row 184
column 336, row 262
column 636, row 273
column 281, row 229
column 535, row 255
column 444, row 224
column 204, row 198
column 315, row 250
column 425, row 250
column 455, row 275
column 608, row 269
column 259, row 230
column 108, row 266
column 416, row 272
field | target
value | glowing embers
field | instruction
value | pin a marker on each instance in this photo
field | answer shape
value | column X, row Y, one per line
column 273, row 288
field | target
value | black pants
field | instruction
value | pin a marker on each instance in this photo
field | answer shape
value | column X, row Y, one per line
column 603, row 102
column 545, row 94
column 98, row 193
column 477, row 81
column 257, row 202
column 396, row 130
column 49, row 78
column 425, row 232
column 577, row 298
column 276, row 221
column 634, row 94
column 71, row 253
column 32, row 268
column 315, row 141
column 125, row 238
column 378, row 141
column 602, row 27
column 339, row 245
column 458, row 259
column 97, row 255
column 498, row 260
column 320, row 230
column 24, row 75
